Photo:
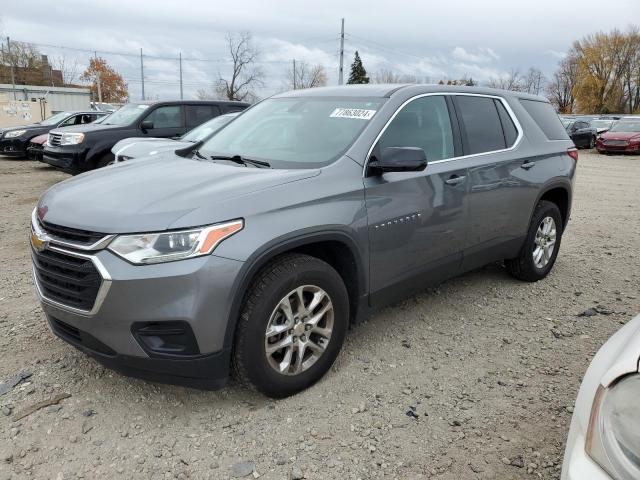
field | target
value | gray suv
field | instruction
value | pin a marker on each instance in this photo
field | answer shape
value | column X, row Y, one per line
column 256, row 249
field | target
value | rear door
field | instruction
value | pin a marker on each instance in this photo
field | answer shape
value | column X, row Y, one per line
column 417, row 219
column 500, row 193
column 167, row 121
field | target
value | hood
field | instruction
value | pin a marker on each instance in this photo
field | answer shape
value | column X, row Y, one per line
column 152, row 194
column 33, row 126
column 40, row 139
column 88, row 128
column 619, row 135
column 142, row 147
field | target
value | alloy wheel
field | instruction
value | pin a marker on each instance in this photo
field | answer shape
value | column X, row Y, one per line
column 545, row 242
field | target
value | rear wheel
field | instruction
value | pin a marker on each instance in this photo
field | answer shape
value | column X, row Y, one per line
column 292, row 326
column 540, row 250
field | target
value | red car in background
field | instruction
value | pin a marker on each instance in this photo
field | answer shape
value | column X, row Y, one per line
column 35, row 147
column 623, row 137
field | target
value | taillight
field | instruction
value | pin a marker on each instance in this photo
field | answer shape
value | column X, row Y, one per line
column 573, row 153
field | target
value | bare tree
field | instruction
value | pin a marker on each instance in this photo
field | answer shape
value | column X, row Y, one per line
column 306, row 76
column 389, row 76
column 206, row 94
column 560, row 90
column 22, row 55
column 512, row 81
column 534, row 81
column 69, row 67
column 245, row 75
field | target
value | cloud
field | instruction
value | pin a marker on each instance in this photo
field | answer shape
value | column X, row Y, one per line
column 482, row 55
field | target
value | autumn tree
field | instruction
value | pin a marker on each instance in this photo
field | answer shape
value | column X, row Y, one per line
column 245, row 76
column 608, row 64
column 306, row 76
column 112, row 86
column 358, row 73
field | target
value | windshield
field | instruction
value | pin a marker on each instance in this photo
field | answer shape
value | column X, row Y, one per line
column 626, row 127
column 207, row 128
column 55, row 119
column 125, row 115
column 101, row 119
column 295, row 132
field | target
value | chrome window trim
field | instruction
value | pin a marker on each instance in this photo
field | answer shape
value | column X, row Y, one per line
column 105, row 284
column 35, row 226
column 506, row 105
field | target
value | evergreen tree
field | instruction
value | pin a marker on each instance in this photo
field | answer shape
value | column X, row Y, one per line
column 358, row 73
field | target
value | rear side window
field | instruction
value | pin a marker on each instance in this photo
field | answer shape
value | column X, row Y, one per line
column 510, row 131
column 197, row 114
column 481, row 124
column 424, row 123
column 546, row 118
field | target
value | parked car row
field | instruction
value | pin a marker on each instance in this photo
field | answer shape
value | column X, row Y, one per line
column 14, row 141
column 608, row 134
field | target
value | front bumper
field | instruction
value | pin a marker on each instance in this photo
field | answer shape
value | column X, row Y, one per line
column 65, row 158
column 12, row 147
column 197, row 292
column 628, row 148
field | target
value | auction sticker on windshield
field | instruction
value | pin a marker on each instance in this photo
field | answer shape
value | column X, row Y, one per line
column 352, row 113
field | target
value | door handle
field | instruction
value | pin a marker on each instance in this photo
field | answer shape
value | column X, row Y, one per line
column 528, row 165
column 455, row 179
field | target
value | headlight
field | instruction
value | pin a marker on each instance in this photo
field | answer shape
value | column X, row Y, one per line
column 146, row 248
column 14, row 133
column 71, row 138
column 613, row 439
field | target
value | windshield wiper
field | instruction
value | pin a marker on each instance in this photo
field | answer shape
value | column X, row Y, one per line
column 242, row 160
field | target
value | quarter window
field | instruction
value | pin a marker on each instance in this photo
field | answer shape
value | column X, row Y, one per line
column 546, row 118
column 481, row 124
column 424, row 123
column 166, row 117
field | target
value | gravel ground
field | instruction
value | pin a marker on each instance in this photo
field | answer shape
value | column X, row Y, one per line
column 474, row 379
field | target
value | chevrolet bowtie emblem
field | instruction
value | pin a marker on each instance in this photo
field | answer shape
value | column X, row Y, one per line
column 37, row 243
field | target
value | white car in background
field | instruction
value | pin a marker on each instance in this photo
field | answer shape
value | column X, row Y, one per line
column 604, row 438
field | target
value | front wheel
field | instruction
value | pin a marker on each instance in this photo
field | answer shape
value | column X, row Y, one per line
column 540, row 250
column 592, row 142
column 292, row 326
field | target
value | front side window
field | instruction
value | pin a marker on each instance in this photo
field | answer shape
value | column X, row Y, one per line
column 71, row 121
column 423, row 123
column 297, row 132
column 169, row 116
column 482, row 124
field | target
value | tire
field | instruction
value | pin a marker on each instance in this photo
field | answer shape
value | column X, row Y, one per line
column 592, row 142
column 524, row 266
column 279, row 280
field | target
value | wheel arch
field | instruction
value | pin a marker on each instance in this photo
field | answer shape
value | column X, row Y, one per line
column 558, row 192
column 336, row 247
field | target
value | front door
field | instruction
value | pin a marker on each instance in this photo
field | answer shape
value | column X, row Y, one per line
column 417, row 219
column 167, row 121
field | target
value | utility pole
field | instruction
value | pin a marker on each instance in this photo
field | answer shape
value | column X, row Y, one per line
column 294, row 73
column 340, row 71
column 98, row 79
column 142, row 73
column 13, row 77
column 180, row 59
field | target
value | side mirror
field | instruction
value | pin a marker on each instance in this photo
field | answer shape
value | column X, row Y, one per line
column 399, row 159
column 146, row 125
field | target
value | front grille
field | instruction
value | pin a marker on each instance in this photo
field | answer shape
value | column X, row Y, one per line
column 71, row 234
column 69, row 280
column 615, row 143
column 54, row 139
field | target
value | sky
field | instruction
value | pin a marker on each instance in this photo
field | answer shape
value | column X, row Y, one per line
column 427, row 39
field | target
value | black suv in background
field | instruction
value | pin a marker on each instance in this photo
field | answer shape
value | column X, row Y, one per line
column 88, row 147
column 14, row 140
